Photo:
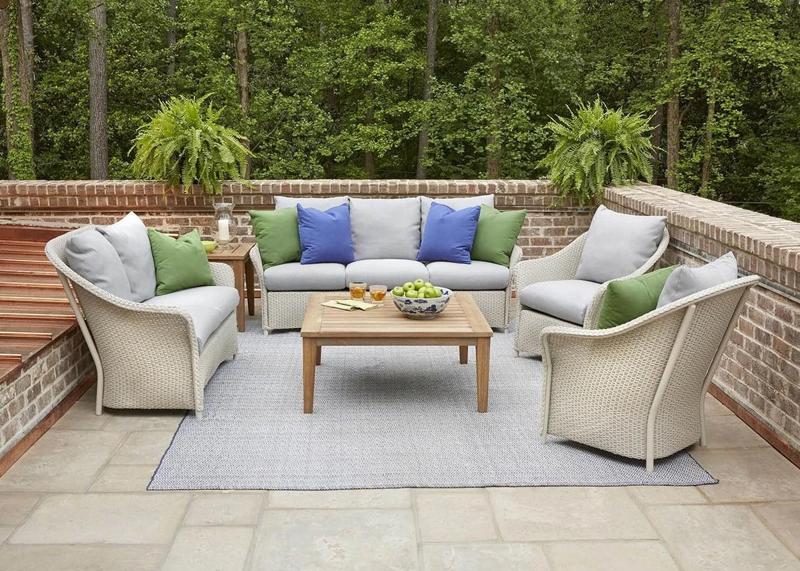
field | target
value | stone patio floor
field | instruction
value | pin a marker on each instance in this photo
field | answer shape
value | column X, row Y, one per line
column 77, row 500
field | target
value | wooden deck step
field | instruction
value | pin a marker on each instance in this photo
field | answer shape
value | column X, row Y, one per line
column 24, row 300
column 15, row 335
column 31, row 290
column 66, row 316
column 17, row 271
column 52, row 326
column 16, row 262
column 26, row 278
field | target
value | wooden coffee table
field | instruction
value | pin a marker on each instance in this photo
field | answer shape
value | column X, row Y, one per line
column 461, row 324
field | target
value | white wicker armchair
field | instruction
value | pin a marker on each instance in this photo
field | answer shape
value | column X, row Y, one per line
column 562, row 265
column 146, row 356
column 637, row 389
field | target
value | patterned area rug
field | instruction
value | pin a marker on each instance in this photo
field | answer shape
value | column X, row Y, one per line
column 384, row 417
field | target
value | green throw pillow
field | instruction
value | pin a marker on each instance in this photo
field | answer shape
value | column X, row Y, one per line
column 496, row 235
column 625, row 300
column 180, row 264
column 277, row 236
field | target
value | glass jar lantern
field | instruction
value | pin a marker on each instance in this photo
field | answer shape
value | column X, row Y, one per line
column 224, row 220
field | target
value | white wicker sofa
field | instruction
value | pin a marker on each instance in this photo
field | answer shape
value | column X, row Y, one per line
column 285, row 288
column 637, row 389
column 552, row 294
column 158, row 353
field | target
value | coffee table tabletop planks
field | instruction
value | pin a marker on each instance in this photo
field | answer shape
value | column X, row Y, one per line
column 461, row 324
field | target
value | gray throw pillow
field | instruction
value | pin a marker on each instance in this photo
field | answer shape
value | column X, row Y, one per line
column 684, row 281
column 618, row 244
column 129, row 238
column 454, row 203
column 92, row 257
column 318, row 203
column 385, row 228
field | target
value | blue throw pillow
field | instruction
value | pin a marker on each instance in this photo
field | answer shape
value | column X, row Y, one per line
column 325, row 236
column 449, row 234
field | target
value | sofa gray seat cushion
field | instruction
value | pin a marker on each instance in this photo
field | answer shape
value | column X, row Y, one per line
column 618, row 244
column 385, row 228
column 388, row 272
column 208, row 306
column 475, row 276
column 93, row 258
column 129, row 238
column 567, row 300
column 684, row 281
column 304, row 277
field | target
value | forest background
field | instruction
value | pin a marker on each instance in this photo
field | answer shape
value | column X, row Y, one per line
column 411, row 88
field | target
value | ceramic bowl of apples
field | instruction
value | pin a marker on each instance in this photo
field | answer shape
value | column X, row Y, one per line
column 420, row 299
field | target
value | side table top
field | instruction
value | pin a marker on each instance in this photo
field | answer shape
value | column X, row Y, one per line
column 231, row 252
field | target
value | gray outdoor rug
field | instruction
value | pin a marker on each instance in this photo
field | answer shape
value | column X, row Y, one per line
column 384, row 417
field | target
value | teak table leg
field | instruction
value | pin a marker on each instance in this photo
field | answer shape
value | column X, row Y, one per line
column 251, row 287
column 238, row 278
column 463, row 354
column 319, row 354
column 482, row 369
column 309, row 366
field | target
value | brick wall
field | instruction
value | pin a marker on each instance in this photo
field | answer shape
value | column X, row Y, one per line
column 549, row 225
column 760, row 370
column 42, row 383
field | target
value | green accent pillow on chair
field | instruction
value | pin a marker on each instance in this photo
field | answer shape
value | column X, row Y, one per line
column 496, row 235
column 277, row 235
column 625, row 300
column 180, row 264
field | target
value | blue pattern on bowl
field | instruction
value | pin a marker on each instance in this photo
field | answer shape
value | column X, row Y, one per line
column 423, row 307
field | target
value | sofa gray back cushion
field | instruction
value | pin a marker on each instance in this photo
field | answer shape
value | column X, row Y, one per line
column 684, row 281
column 454, row 203
column 129, row 239
column 93, row 257
column 318, row 203
column 618, row 244
column 385, row 227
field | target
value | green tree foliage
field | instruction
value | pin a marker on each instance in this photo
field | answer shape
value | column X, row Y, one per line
column 596, row 146
column 336, row 87
column 184, row 144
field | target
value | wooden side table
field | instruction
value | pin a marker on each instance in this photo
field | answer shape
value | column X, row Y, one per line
column 237, row 256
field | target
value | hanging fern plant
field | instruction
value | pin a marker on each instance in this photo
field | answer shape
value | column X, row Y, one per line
column 596, row 147
column 184, row 144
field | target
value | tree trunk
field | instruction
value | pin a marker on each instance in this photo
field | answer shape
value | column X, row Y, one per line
column 673, row 106
column 492, row 145
column 172, row 33
column 369, row 156
column 433, row 27
column 16, row 54
column 708, row 142
column 98, row 93
column 657, row 122
column 243, row 80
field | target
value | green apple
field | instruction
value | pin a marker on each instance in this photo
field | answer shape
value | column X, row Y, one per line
column 412, row 293
column 408, row 285
column 438, row 292
column 430, row 292
column 398, row 291
column 419, row 284
column 428, row 284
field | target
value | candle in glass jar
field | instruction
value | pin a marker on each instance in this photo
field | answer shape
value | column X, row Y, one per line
column 224, row 230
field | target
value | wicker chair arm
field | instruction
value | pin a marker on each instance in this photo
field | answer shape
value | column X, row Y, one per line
column 559, row 266
column 222, row 274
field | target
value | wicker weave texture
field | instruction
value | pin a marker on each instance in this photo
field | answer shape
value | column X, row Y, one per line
column 145, row 356
column 603, row 386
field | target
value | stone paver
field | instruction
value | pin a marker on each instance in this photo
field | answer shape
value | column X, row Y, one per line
column 616, row 556
column 705, row 537
column 224, row 509
column 61, row 461
column 81, row 557
column 336, row 539
column 14, row 507
column 350, row 499
column 123, row 479
column 783, row 518
column 730, row 432
column 455, row 516
column 552, row 514
column 143, row 447
column 104, row 518
column 484, row 557
column 209, row 549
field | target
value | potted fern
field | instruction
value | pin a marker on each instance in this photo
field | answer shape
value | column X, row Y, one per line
column 596, row 146
column 185, row 144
